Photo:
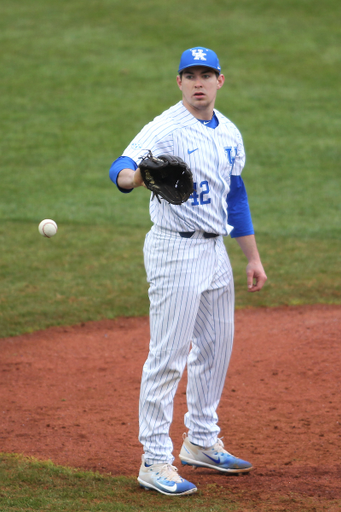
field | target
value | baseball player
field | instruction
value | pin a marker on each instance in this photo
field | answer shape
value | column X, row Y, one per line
column 191, row 288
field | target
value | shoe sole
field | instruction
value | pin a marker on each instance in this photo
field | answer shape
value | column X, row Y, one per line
column 150, row 487
column 196, row 464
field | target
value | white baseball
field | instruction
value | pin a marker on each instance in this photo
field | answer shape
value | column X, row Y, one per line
column 48, row 228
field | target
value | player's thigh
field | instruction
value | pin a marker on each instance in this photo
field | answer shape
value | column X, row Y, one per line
column 215, row 318
column 178, row 271
column 178, row 265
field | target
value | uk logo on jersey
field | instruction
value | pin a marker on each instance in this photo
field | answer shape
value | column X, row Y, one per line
column 231, row 153
column 199, row 54
column 135, row 146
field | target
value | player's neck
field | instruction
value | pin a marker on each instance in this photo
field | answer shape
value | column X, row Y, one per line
column 203, row 113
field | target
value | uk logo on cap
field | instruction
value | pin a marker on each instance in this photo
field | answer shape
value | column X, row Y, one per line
column 199, row 56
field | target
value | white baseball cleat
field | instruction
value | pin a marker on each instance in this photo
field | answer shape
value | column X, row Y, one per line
column 215, row 457
column 164, row 478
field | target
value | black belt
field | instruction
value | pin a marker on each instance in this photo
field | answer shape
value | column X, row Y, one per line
column 189, row 234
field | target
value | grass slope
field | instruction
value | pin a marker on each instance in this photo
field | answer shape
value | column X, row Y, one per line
column 80, row 79
column 28, row 484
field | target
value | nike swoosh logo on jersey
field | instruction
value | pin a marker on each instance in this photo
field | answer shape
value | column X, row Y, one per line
column 207, row 122
column 189, row 152
column 217, row 461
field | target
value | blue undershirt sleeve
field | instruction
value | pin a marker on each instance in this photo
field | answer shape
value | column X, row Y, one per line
column 122, row 162
column 239, row 215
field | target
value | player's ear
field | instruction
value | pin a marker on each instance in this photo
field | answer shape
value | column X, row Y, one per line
column 179, row 82
column 221, row 80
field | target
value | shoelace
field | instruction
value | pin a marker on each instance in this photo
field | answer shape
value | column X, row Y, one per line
column 170, row 473
column 219, row 447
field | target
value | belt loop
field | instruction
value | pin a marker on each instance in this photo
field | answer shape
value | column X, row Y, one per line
column 186, row 234
column 210, row 235
column 189, row 234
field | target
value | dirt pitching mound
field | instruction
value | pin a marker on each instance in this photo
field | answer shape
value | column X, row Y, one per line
column 71, row 395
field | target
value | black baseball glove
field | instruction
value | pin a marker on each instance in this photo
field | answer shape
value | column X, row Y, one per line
column 167, row 176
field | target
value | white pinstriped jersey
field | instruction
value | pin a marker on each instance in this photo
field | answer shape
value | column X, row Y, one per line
column 212, row 155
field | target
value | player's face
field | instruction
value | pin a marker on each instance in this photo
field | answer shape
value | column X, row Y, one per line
column 199, row 86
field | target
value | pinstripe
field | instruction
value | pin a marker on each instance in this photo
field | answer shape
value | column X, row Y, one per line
column 176, row 132
column 191, row 289
column 184, row 301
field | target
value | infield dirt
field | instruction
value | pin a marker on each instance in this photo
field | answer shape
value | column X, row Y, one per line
column 70, row 394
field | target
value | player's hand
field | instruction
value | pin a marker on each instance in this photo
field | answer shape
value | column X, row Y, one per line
column 256, row 276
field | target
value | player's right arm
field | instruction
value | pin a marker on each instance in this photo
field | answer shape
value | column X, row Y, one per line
column 129, row 179
column 125, row 173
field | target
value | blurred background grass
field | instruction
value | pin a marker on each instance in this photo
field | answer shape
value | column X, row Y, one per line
column 80, row 79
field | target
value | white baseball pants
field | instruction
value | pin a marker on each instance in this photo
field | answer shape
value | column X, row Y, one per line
column 191, row 321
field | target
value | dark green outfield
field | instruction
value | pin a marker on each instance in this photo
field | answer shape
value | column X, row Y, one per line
column 79, row 79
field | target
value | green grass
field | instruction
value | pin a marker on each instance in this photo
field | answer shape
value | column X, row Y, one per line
column 89, row 272
column 78, row 80
column 28, row 485
column 84, row 273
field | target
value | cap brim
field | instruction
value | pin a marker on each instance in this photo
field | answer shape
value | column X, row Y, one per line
column 201, row 66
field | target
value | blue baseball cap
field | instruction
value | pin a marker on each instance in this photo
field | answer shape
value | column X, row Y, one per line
column 199, row 56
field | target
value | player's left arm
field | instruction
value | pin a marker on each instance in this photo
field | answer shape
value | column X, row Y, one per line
column 239, row 216
column 256, row 276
